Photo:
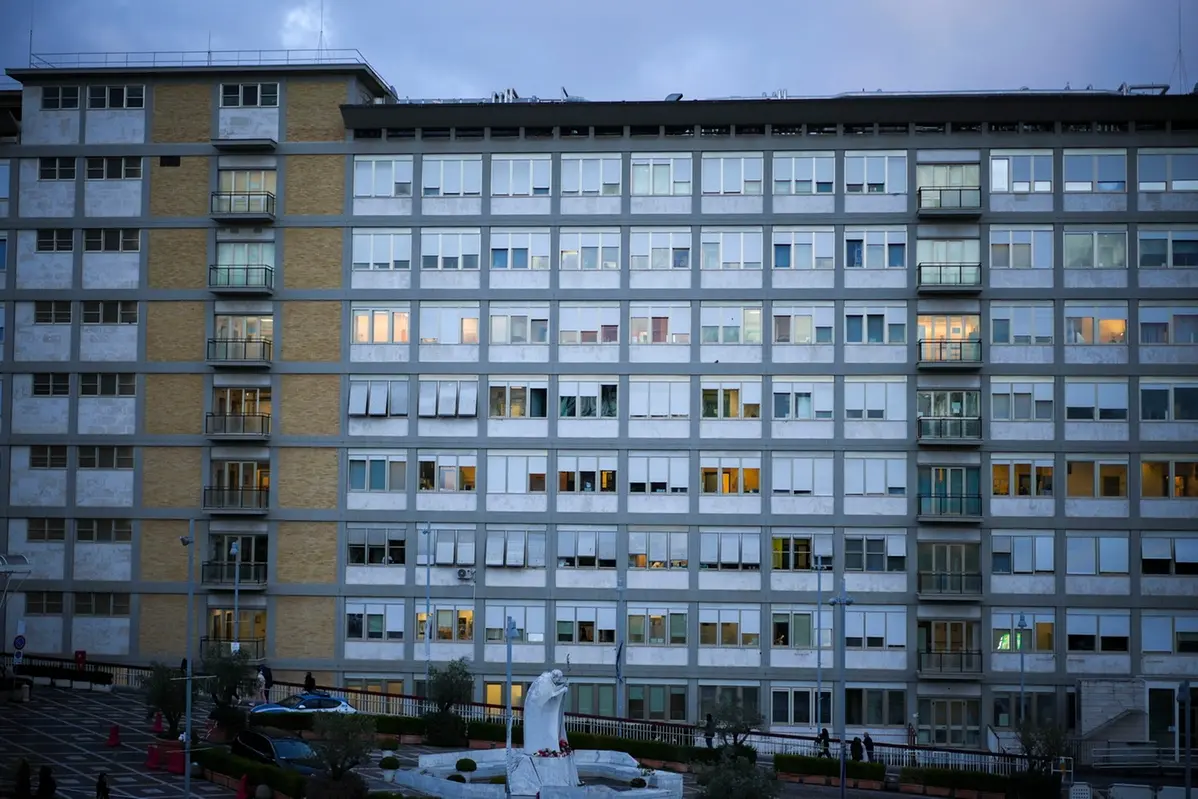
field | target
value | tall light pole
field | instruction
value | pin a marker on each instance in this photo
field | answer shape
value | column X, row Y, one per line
column 839, row 603
column 1022, row 625
column 819, row 645
column 189, row 542
column 621, row 625
column 235, row 551
column 427, row 532
column 1184, row 699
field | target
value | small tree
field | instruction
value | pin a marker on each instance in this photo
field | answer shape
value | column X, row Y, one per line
column 448, row 687
column 734, row 777
column 166, row 692
column 734, row 723
column 345, row 740
column 1043, row 746
column 230, row 675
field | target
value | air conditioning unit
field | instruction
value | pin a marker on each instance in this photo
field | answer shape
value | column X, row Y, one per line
column 465, row 574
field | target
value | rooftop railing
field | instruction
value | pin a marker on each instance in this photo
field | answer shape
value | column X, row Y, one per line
column 196, row 58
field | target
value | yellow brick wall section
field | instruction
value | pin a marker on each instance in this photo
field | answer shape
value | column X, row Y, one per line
column 182, row 113
column 311, row 405
column 175, row 331
column 312, row 257
column 171, row 477
column 308, row 478
column 174, row 405
column 178, row 258
column 304, row 627
column 163, row 558
column 306, row 552
column 162, row 626
column 180, row 190
column 312, row 331
column 314, row 109
column 315, row 185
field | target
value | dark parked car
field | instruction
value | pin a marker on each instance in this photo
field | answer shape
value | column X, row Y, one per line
column 278, row 748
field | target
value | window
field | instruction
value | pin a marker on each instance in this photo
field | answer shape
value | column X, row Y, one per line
column 730, row 474
column 244, row 263
column 1097, row 632
column 450, row 250
column 447, row 471
column 1096, row 555
column 1020, row 172
column 1175, row 635
column 731, row 399
column 107, row 384
column 878, row 554
column 111, row 240
column 1095, row 324
column 1024, row 401
column 732, row 174
column 448, row 323
column 114, row 97
column 731, row 248
column 660, row 626
column 807, row 173
column 584, row 474
column 1024, row 477
column 660, row 249
column 1168, row 171
column 110, row 312
column 1025, row 324
column 104, row 531
column 529, row 622
column 249, row 95
column 1164, row 479
column 105, row 457
column 449, row 547
column 1095, row 171
column 519, row 249
column 382, row 176
column 52, row 312
column 101, row 604
column 876, row 707
column 52, row 384
column 588, row 400
column 875, row 399
column 381, row 324
column 712, row 696
column 1168, row 249
column 879, row 173
column 243, row 191
column 374, row 621
column 57, row 168
column 60, row 98
column 515, row 549
column 660, row 549
column 378, row 398
column 43, row 603
column 113, row 168
column 1022, row 554
column 1037, row 635
column 378, row 472
column 878, row 249
column 802, row 552
column 1095, row 249
column 659, row 323
column 1161, row 402
column 1099, row 478
column 520, row 176
column 948, row 404
column 452, row 176
column 582, row 624
column 582, row 323
column 586, row 249
column 658, row 472
column 516, row 473
column 450, row 622
column 949, row 176
column 661, row 175
column 591, row 175
column 1098, row 401
column 796, row 706
column 802, row 401
column 44, row 456
column 516, row 324
column 1168, row 325
column 875, row 629
column 1166, row 556
column 658, row 399
column 55, row 240
column 1021, row 248
column 381, row 249
column 881, row 325
column 45, row 530
column 375, row 546
column 796, row 628
column 727, row 626
column 875, row 476
column 586, row 549
column 519, row 399
column 802, row 475
column 448, row 399
column 803, row 325
column 804, row 248
column 730, row 324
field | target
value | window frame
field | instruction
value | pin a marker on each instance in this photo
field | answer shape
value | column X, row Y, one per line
column 1040, row 632
column 581, row 316
column 109, row 312
column 502, row 324
column 1182, row 480
column 1096, row 407
column 746, row 637
column 45, row 530
column 533, row 242
column 462, row 622
column 645, row 544
column 860, row 548
column 108, row 384
column 1170, row 237
column 1169, row 184
column 677, row 473
column 362, row 610
column 676, row 256
column 578, row 247
column 815, row 165
column 366, row 471
column 530, row 550
column 1076, row 324
column 891, row 237
column 433, row 402
column 866, row 185
column 818, row 552
column 527, row 617
column 1116, row 243
column 126, row 167
column 537, row 184
column 748, row 465
column 461, row 544
column 813, row 471
column 508, row 385
column 648, row 314
column 1037, row 238
column 1036, row 550
column 572, row 466
column 680, row 176
column 747, row 544
column 469, row 169
column 674, row 386
column 363, row 163
column 603, row 613
column 889, row 328
column 573, row 170
column 99, row 456
column 568, row 546
column 366, row 318
column 59, row 240
column 372, row 239
column 1100, row 626
column 1018, row 468
column 1182, row 557
column 111, row 240
column 50, row 603
column 1099, row 549
column 50, row 384
column 534, row 481
column 102, row 604
column 468, row 249
column 668, row 614
column 65, row 98
column 1098, row 464
column 746, row 397
column 819, row 395
column 1171, row 402
column 466, row 314
column 745, row 238
column 894, row 393
column 1036, row 160
column 891, row 463
column 116, row 97
column 263, row 95
column 731, row 317
column 49, row 456
column 819, row 240
column 1093, row 185
column 104, row 531
column 724, row 180
column 57, row 168
column 1034, row 399
column 362, row 537
column 1172, row 312
column 379, row 397
column 462, row 467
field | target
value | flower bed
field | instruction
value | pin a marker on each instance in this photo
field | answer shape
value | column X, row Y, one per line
column 222, row 768
column 826, row 771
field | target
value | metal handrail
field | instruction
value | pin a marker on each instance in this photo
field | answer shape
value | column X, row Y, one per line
column 228, row 572
column 195, row 58
column 953, row 505
column 237, row 424
column 240, row 349
column 242, row 202
column 220, row 498
column 949, row 662
column 948, row 427
column 950, row 351
column 955, row 583
column 254, row 648
column 239, row 276
column 949, row 274
column 950, row 198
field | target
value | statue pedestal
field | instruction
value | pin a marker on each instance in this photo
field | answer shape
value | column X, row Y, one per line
column 527, row 774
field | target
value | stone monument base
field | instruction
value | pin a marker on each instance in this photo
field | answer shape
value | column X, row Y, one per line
column 528, row 774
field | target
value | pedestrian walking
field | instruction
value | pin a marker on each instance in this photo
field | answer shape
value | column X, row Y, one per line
column 709, row 731
column 47, row 788
column 260, row 684
column 309, row 683
column 825, row 743
column 869, row 748
column 102, row 787
column 856, row 750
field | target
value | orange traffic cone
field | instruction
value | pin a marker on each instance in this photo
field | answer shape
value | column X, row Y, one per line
column 157, row 723
column 153, row 757
column 243, row 788
column 114, row 735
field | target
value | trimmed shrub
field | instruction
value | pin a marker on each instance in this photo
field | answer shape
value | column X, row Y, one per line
column 389, row 763
column 466, row 766
column 828, row 767
column 222, row 762
column 637, row 782
column 456, row 778
column 498, row 779
column 387, row 744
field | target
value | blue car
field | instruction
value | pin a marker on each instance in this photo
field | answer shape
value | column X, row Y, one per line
column 306, row 703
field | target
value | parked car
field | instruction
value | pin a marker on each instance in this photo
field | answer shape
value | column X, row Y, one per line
column 277, row 748
column 312, row 702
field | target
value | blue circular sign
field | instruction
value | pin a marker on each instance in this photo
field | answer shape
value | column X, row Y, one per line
column 18, row 643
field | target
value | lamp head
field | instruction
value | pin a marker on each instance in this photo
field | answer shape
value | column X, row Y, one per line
column 186, row 540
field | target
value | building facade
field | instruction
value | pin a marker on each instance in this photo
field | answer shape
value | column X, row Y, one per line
column 652, row 378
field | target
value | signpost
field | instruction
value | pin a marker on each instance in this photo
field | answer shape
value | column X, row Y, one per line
column 18, row 644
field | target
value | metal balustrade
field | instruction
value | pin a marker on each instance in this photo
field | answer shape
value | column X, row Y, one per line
column 950, row 352
column 241, row 278
column 254, row 648
column 242, row 204
column 237, row 425
column 963, row 662
column 949, row 506
column 967, row 199
column 230, row 572
column 252, row 351
column 949, row 276
column 236, row 499
column 948, row 427
column 950, row 583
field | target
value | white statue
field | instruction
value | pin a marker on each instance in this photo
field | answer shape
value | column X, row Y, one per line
column 545, row 712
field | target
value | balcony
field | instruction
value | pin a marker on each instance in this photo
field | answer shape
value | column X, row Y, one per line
column 237, row 425
column 950, row 354
column 262, row 145
column 218, row 499
column 959, row 665
column 241, row 279
column 950, row 585
column 254, row 648
column 948, row 431
column 228, row 573
column 242, row 206
column 955, row 509
column 949, row 278
column 950, row 201
column 254, row 353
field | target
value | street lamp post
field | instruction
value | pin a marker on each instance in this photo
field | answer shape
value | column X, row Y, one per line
column 1185, row 697
column 189, row 542
column 839, row 603
column 509, row 634
column 819, row 646
column 235, row 551
column 621, row 625
column 427, row 532
column 1022, row 640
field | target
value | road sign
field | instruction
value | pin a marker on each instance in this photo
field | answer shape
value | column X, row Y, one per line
column 18, row 643
column 17, row 657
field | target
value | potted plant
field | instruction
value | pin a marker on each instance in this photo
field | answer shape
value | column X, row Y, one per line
column 389, row 765
column 389, row 745
column 467, row 767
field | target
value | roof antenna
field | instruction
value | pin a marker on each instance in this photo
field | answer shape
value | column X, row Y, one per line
column 1179, row 63
column 320, row 38
column 209, row 48
column 32, row 6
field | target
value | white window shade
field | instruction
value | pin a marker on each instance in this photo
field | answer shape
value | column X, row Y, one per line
column 607, row 618
column 750, row 622
column 394, row 618
column 607, row 547
column 854, row 624
column 679, row 545
column 751, row 393
column 783, row 477
column 1079, row 395
column 466, row 551
column 587, row 546
column 1156, row 633
column 638, row 469
column 875, row 476
column 639, row 399
column 358, row 392
column 875, row 396
column 515, row 550
column 854, row 395
column 1045, row 554
column 495, row 546
column 896, row 629
column 709, row 548
column 680, row 399
column 399, row 398
column 822, row 397
column 1115, row 625
column 447, row 398
column 496, row 617
column 821, row 546
column 658, row 548
column 875, row 625
column 896, row 401
column 468, row 400
column 854, row 476
column 1185, row 624
column 427, row 402
column 1185, row 550
column 896, row 546
column 496, row 476
column 750, row 550
column 1081, row 624
column 536, row 553
column 1156, row 548
column 680, row 472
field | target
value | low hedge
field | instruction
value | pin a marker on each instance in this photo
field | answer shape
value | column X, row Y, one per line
column 829, row 767
column 65, row 673
column 1023, row 785
column 222, row 762
column 302, row 722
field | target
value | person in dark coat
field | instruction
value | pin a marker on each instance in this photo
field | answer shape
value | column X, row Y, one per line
column 47, row 788
column 869, row 748
column 102, row 787
column 309, row 682
column 709, row 731
column 23, row 788
column 856, row 750
column 825, row 743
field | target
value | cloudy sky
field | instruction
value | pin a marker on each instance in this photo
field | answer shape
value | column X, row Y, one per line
column 645, row 49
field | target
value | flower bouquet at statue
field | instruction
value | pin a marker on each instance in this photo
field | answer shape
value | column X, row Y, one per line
column 563, row 750
column 546, row 759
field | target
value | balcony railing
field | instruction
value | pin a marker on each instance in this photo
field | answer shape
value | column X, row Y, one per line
column 950, row 199
column 961, row 663
column 230, row 572
column 950, row 352
column 949, row 507
column 241, row 279
column 247, row 425
column 254, row 648
column 950, row 583
column 243, row 204
column 951, row 428
column 950, row 276
column 252, row 351
column 247, row 500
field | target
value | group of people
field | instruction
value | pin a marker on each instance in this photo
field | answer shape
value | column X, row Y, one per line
column 47, row 787
column 858, row 749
